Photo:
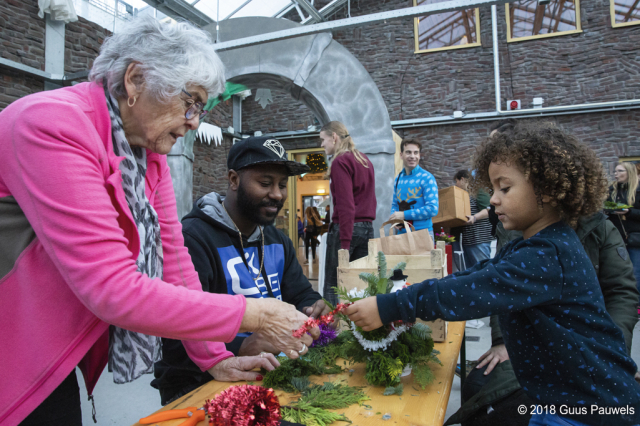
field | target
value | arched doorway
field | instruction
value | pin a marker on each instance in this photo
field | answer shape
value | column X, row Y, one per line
column 326, row 77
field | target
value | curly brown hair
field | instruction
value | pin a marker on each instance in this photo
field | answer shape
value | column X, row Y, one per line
column 556, row 163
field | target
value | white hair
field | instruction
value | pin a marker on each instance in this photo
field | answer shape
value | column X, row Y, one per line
column 171, row 55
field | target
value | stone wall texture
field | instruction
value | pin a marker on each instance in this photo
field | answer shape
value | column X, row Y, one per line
column 82, row 44
column 600, row 64
column 210, row 167
column 22, row 40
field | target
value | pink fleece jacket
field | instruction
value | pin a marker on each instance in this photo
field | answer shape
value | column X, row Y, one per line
column 79, row 275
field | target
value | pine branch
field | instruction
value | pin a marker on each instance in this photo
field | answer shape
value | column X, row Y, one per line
column 421, row 330
column 308, row 415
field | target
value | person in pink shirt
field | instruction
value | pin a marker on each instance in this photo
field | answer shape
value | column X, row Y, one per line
column 93, row 267
column 352, row 186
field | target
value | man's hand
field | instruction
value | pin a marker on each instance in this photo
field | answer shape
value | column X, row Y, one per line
column 256, row 344
column 239, row 368
column 364, row 313
column 397, row 216
column 317, row 309
column 493, row 357
column 623, row 211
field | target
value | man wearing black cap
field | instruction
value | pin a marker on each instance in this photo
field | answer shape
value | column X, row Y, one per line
column 236, row 250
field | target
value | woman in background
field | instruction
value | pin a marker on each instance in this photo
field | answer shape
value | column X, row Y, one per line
column 311, row 231
column 352, row 186
column 625, row 190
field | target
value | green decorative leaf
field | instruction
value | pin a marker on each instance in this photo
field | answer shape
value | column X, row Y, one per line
column 382, row 286
column 382, row 265
column 391, row 390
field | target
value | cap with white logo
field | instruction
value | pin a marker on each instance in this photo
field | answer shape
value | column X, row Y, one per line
column 262, row 150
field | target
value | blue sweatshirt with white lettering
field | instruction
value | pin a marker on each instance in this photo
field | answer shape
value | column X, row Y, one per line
column 564, row 346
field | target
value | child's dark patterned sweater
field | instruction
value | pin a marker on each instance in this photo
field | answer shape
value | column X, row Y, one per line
column 564, row 346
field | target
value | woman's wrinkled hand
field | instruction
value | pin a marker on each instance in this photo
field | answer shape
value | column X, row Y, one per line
column 364, row 313
column 239, row 368
column 276, row 321
column 493, row 357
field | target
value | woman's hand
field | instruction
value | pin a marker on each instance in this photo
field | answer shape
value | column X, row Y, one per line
column 493, row 357
column 621, row 212
column 276, row 321
column 364, row 313
column 470, row 220
column 239, row 368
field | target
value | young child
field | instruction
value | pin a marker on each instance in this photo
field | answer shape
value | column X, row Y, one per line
column 566, row 351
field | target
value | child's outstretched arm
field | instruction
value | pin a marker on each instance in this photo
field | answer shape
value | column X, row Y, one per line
column 528, row 275
column 364, row 313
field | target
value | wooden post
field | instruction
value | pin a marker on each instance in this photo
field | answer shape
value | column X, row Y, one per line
column 436, row 259
column 343, row 258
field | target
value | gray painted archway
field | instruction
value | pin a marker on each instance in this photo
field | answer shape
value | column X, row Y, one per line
column 322, row 74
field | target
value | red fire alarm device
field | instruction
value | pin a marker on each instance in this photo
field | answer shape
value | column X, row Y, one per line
column 514, row 104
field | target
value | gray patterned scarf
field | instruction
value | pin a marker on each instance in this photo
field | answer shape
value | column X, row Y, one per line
column 132, row 354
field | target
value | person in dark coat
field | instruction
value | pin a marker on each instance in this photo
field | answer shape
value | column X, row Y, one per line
column 625, row 190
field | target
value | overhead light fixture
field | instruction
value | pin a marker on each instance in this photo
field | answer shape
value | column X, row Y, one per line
column 321, row 191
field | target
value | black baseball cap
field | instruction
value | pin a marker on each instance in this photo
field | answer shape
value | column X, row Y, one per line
column 262, row 150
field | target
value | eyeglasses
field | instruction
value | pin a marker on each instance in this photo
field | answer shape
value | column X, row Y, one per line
column 194, row 108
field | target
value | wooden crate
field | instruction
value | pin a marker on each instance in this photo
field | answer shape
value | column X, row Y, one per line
column 454, row 207
column 418, row 269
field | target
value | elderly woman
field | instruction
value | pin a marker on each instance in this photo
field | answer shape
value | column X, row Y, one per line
column 92, row 262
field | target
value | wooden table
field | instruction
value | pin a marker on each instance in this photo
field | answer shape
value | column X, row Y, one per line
column 416, row 407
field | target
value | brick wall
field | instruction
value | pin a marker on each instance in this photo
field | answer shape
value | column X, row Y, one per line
column 82, row 44
column 448, row 148
column 210, row 167
column 22, row 41
column 600, row 64
column 284, row 114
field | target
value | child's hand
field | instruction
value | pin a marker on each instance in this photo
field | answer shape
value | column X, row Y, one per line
column 364, row 313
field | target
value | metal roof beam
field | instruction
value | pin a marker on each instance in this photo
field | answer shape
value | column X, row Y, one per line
column 328, row 10
column 313, row 13
column 341, row 24
column 237, row 9
column 179, row 10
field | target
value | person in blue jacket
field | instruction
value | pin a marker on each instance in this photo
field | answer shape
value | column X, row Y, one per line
column 415, row 193
column 567, row 353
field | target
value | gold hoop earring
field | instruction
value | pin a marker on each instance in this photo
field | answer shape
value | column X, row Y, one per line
column 129, row 102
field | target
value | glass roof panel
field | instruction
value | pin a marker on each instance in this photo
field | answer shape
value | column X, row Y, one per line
column 253, row 8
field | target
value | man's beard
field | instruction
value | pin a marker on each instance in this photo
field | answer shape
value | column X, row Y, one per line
column 251, row 210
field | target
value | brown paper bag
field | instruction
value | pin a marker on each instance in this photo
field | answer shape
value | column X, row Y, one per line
column 413, row 242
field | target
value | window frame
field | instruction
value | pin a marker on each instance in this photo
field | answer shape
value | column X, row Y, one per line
column 416, row 35
column 510, row 39
column 612, row 12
